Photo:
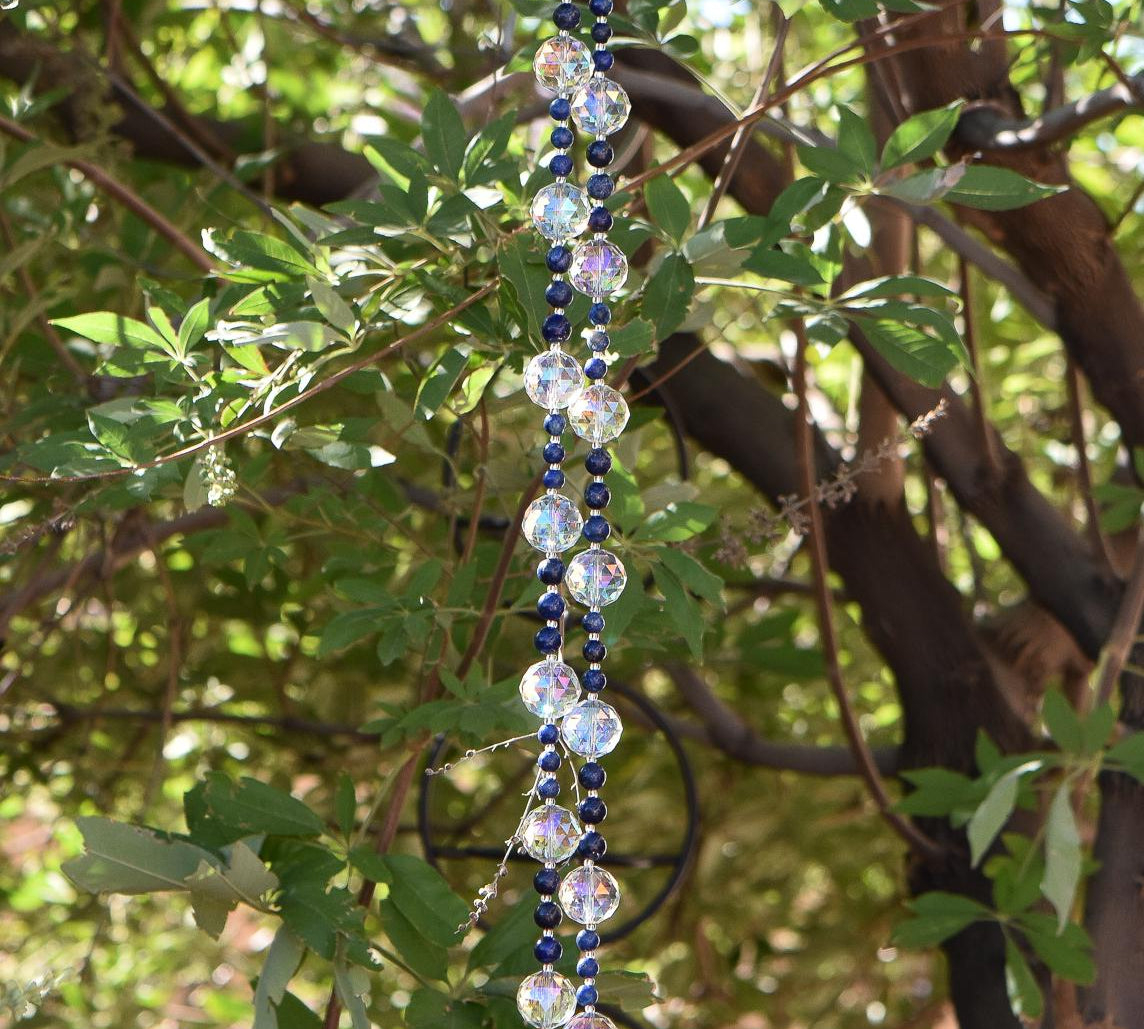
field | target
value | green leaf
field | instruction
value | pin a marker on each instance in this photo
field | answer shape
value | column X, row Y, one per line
column 262, row 252
column 693, row 575
column 773, row 263
column 444, row 134
column 345, row 804
column 439, row 381
column 347, row 628
column 990, row 817
column 925, row 358
column 107, row 327
column 504, row 939
column 921, row 136
column 989, row 188
column 283, row 957
column 121, row 858
column 1067, row 953
column 352, row 986
column 636, row 337
column 681, row 609
column 40, row 156
column 856, row 141
column 937, row 792
column 1024, row 993
column 1063, row 723
column 668, row 206
column 678, row 522
column 667, row 295
column 421, row 954
column 318, row 915
column 1062, row 855
column 257, row 808
column 888, row 286
column 937, row 917
column 419, row 891
column 194, row 325
column 830, row 164
column 429, row 1009
column 334, row 309
column 217, row 890
column 1096, row 729
column 519, row 264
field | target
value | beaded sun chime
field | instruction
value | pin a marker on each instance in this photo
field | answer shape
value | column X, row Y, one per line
column 574, row 717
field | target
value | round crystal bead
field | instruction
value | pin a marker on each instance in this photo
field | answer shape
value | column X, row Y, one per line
column 549, row 689
column 600, row 106
column 552, row 523
column 546, row 1000
column 592, row 728
column 589, row 895
column 598, row 268
column 593, row 1021
column 560, row 211
column 552, row 379
column 562, row 63
column 596, row 578
column 550, row 833
column 598, row 413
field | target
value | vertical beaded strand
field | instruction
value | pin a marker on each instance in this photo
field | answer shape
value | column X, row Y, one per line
column 552, row 524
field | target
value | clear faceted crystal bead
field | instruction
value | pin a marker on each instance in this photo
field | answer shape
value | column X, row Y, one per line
column 560, row 211
column 598, row 413
column 562, row 63
column 596, row 578
column 589, row 895
column 592, row 728
column 600, row 106
column 552, row 379
column 550, row 833
column 593, row 1021
column 546, row 1000
column 549, row 689
column 552, row 523
column 598, row 268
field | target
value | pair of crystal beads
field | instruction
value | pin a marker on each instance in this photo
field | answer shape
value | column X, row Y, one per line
column 564, row 65
column 551, row 691
column 597, row 413
column 560, row 212
column 547, row 1000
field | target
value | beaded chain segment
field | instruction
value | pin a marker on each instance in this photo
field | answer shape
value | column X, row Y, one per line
column 575, row 719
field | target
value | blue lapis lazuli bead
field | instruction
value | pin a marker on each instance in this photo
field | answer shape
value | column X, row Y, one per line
column 562, row 137
column 603, row 59
column 560, row 109
column 591, row 776
column 601, row 32
column 561, row 165
column 553, row 478
column 547, row 914
column 588, row 939
column 546, row 881
column 587, row 995
column 550, row 571
column 556, row 328
column 558, row 293
column 600, row 8
column 555, row 424
column 548, row 734
column 597, row 495
column 593, row 621
column 547, row 639
column 547, row 950
column 596, row 529
column 596, row 368
column 599, row 314
column 594, row 651
column 599, row 342
column 594, row 680
column 559, row 259
column 600, row 218
column 550, row 606
column 588, row 968
column 598, row 462
column 592, row 847
column 566, row 16
column 593, row 810
column 599, row 153
column 599, row 186
column 549, row 761
column 553, row 453
column 548, row 789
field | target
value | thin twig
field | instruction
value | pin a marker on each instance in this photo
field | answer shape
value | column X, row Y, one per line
column 1125, row 629
column 1083, row 471
column 976, row 386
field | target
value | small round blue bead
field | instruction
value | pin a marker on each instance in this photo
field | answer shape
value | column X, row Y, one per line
column 546, row 881
column 547, row 914
column 594, row 680
column 603, row 59
column 592, row 847
column 600, row 8
column 594, row 651
column 588, row 968
column 550, row 606
column 587, row 995
column 597, row 495
column 549, row 761
column 558, row 293
column 566, row 16
column 601, row 32
column 562, row 137
column 588, row 939
column 547, row 639
column 593, row 621
column 556, row 328
column 547, row 950
column 548, row 789
column 596, row 368
column 550, row 571
column 600, row 186
column 598, row 462
column 591, row 775
column 600, row 218
column 599, row 153
column 548, row 734
column 559, row 259
column 599, row 314
column 599, row 341
column 553, row 478
column 560, row 109
column 593, row 810
column 597, row 529
column 561, row 165
column 555, row 424
column 553, row 453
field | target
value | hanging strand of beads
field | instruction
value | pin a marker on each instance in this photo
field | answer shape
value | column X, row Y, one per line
column 597, row 413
